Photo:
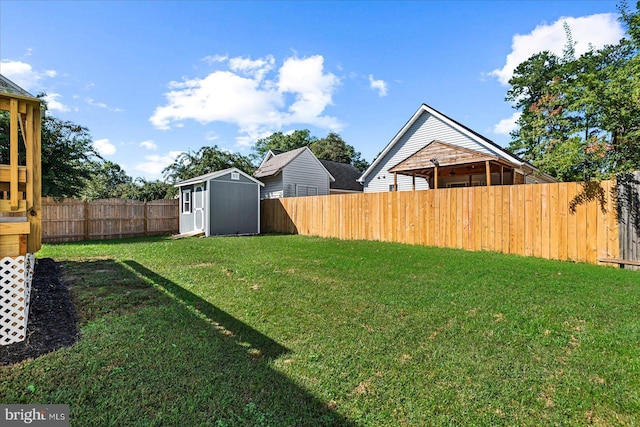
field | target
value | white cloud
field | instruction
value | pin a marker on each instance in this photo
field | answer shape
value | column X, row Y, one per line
column 595, row 30
column 245, row 97
column 149, row 145
column 379, row 85
column 154, row 163
column 95, row 103
column 211, row 136
column 212, row 59
column 53, row 104
column 104, row 147
column 505, row 126
column 257, row 69
column 24, row 75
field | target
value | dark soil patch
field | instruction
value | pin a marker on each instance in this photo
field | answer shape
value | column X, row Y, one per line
column 52, row 320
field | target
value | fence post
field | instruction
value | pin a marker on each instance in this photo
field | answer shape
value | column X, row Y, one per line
column 86, row 219
column 146, row 227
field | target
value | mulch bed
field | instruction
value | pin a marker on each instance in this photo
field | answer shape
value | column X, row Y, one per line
column 52, row 320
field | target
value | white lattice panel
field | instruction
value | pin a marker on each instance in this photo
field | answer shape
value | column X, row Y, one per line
column 15, row 289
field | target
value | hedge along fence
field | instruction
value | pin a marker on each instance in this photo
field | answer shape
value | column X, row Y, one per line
column 548, row 221
column 75, row 220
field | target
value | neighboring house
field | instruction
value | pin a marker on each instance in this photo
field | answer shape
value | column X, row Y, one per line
column 294, row 173
column 435, row 151
column 220, row 203
column 346, row 177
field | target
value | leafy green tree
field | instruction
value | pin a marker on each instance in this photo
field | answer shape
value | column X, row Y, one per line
column 68, row 156
column 580, row 117
column 145, row 191
column 206, row 160
column 284, row 142
column 108, row 180
column 331, row 147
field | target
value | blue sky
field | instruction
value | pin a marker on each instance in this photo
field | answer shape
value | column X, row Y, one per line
column 151, row 79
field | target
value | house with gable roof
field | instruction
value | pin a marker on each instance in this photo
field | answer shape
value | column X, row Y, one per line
column 434, row 151
column 293, row 173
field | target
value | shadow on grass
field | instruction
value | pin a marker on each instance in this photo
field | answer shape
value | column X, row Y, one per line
column 154, row 354
column 255, row 393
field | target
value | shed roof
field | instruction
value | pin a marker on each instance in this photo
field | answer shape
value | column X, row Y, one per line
column 214, row 175
column 346, row 175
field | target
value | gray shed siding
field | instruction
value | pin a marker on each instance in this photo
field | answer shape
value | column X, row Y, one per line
column 304, row 170
column 233, row 208
column 424, row 130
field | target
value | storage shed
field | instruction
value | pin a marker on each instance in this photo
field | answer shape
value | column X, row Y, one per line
column 225, row 202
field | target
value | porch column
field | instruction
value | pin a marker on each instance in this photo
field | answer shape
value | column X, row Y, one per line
column 413, row 182
column 435, row 178
column 488, row 172
column 501, row 174
column 395, row 181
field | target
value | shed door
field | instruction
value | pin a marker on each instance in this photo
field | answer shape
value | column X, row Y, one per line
column 198, row 208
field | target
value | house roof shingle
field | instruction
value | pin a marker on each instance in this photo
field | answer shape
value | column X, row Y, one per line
column 275, row 164
column 346, row 175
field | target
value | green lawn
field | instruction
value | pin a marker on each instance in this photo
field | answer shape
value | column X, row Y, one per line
column 293, row 330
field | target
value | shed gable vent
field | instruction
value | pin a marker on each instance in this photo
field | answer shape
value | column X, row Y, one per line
column 235, row 176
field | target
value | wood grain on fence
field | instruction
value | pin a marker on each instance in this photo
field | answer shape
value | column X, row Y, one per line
column 75, row 220
column 530, row 220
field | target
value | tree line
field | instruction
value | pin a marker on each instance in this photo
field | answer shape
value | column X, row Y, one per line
column 71, row 167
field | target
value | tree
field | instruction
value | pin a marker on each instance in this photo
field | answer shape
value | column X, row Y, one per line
column 283, row 142
column 145, row 191
column 331, row 147
column 206, row 160
column 68, row 157
column 580, row 117
column 108, row 180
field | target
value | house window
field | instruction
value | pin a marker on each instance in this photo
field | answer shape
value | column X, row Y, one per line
column 186, row 201
column 306, row 190
column 392, row 187
column 235, row 176
column 457, row 184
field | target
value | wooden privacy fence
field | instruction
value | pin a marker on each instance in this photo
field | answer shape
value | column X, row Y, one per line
column 530, row 220
column 75, row 220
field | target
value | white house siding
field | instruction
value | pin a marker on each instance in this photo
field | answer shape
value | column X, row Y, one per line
column 424, row 130
column 272, row 187
column 304, row 170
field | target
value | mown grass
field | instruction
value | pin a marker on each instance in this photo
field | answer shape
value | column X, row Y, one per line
column 292, row 330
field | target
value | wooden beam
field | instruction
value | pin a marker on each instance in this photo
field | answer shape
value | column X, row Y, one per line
column 27, row 134
column 413, row 182
column 13, row 153
column 435, row 178
column 395, row 181
column 5, row 174
column 34, row 215
column 7, row 228
column 501, row 174
column 5, row 206
column 5, row 105
column 487, row 168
